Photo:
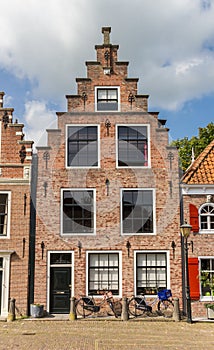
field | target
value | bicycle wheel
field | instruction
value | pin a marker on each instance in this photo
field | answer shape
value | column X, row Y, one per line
column 135, row 309
column 166, row 307
column 82, row 309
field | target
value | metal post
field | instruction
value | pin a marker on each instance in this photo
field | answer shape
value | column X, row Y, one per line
column 125, row 314
column 176, row 310
column 188, row 300
column 11, row 314
column 73, row 315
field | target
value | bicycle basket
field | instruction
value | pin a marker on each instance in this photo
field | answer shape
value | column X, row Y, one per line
column 88, row 301
column 164, row 294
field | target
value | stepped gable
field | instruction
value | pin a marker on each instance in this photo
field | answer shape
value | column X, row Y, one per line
column 201, row 171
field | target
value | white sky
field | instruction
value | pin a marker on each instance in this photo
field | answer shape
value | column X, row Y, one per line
column 44, row 45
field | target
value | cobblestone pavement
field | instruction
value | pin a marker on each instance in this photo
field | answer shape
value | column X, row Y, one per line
column 105, row 335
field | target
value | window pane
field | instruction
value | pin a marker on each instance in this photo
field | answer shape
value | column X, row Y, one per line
column 132, row 146
column 3, row 213
column 82, row 146
column 151, row 277
column 106, row 273
column 137, row 211
column 78, row 212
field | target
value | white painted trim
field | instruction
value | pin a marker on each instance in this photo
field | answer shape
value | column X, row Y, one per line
column 154, row 210
column 155, row 252
column 5, row 283
column 148, row 144
column 120, row 267
column 66, row 148
column 48, row 273
column 61, row 212
column 197, row 189
column 7, row 236
column 106, row 87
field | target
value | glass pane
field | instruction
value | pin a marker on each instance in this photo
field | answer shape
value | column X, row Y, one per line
column 93, row 260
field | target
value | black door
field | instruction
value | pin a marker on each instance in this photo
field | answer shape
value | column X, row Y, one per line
column 60, row 279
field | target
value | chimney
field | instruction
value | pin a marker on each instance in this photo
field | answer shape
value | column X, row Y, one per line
column 1, row 98
column 106, row 31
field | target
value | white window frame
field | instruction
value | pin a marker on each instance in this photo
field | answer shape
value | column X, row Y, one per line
column 154, row 211
column 66, row 147
column 7, row 235
column 154, row 252
column 107, row 88
column 120, row 268
column 209, row 230
column 61, row 216
column 49, row 268
column 204, row 297
column 148, row 147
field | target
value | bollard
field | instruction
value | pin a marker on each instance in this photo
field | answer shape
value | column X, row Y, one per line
column 176, row 311
column 125, row 314
column 73, row 315
column 11, row 313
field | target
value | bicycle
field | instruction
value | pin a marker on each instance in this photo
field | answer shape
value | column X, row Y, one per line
column 86, row 305
column 138, row 306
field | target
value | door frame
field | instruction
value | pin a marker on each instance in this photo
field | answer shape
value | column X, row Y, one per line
column 6, row 255
column 48, row 273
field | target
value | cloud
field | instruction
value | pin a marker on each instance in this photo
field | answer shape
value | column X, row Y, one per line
column 169, row 45
column 36, row 116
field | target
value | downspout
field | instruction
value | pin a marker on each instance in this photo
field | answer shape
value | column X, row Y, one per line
column 32, row 233
column 182, row 250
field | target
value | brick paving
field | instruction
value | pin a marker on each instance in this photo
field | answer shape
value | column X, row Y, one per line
column 106, row 335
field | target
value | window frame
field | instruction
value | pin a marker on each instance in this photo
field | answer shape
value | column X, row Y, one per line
column 67, row 152
column 148, row 146
column 94, row 213
column 7, row 234
column 208, row 230
column 153, row 208
column 119, row 295
column 107, row 88
column 166, row 252
column 204, row 297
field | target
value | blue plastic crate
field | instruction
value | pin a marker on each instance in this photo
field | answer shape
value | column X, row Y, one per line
column 164, row 294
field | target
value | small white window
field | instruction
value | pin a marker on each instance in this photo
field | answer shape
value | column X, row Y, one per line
column 107, row 99
column 4, row 213
column 206, row 215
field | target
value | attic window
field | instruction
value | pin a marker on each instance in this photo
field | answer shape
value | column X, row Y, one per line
column 107, row 99
column 207, row 217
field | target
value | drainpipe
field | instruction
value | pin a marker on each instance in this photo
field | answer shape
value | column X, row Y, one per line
column 182, row 250
column 32, row 233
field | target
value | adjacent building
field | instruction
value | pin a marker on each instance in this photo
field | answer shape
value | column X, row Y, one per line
column 15, row 175
column 197, row 187
column 107, row 196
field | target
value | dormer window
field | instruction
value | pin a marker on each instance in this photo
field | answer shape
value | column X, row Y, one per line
column 107, row 99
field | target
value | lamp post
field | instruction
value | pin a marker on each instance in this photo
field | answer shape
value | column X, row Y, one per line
column 185, row 231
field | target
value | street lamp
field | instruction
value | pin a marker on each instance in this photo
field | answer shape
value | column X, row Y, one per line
column 185, row 231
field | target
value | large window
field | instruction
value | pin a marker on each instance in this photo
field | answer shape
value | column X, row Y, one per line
column 207, row 277
column 78, row 215
column 206, row 214
column 132, row 146
column 103, row 272
column 82, row 146
column 107, row 99
column 137, row 211
column 4, row 213
column 151, row 272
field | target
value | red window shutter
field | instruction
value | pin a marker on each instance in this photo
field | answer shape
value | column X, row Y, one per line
column 194, row 217
column 194, row 282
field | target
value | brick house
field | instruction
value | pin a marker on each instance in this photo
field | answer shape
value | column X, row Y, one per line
column 197, row 187
column 15, row 174
column 107, row 204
